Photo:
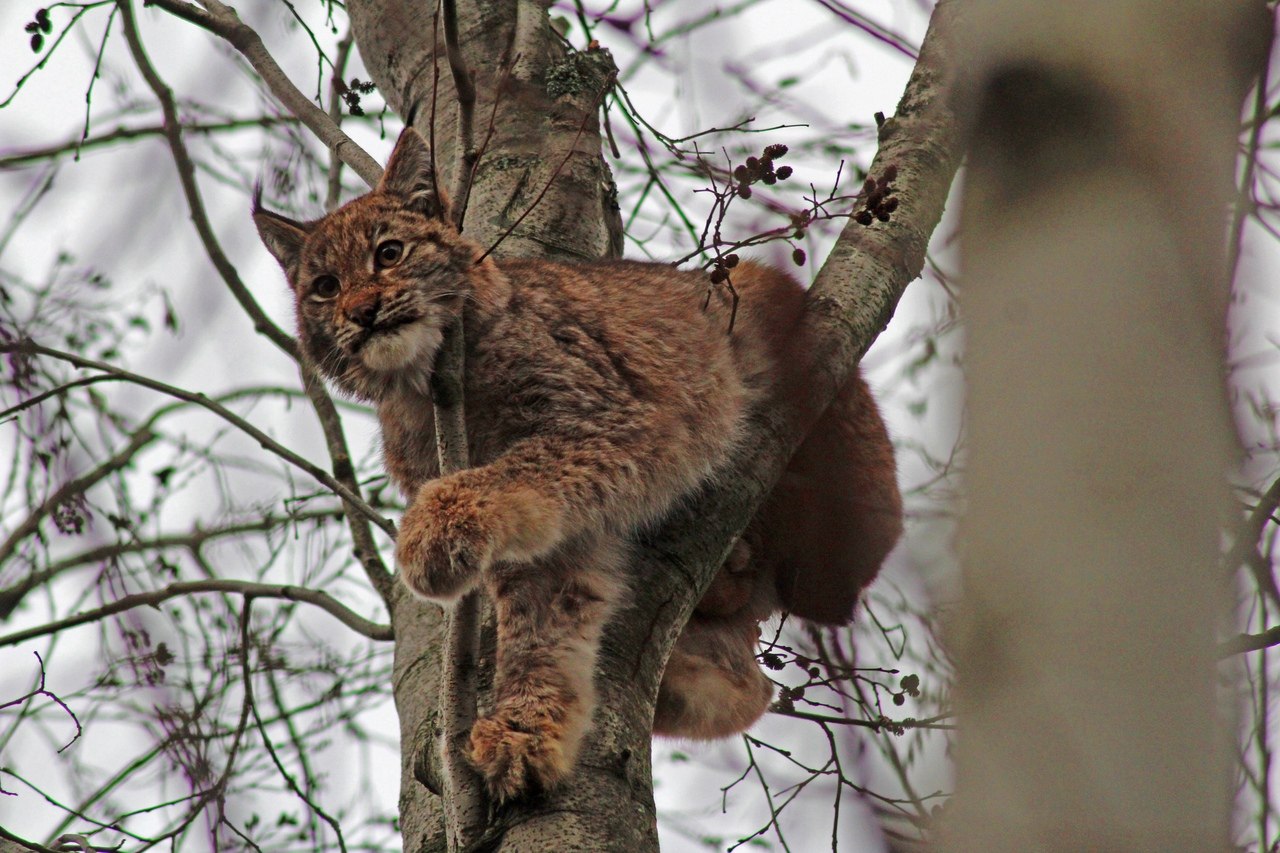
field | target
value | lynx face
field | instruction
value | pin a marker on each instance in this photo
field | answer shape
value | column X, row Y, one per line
column 376, row 286
column 378, row 281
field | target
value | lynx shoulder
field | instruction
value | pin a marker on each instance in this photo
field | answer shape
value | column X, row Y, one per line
column 597, row 395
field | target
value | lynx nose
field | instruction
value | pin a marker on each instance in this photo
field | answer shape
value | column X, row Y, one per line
column 364, row 311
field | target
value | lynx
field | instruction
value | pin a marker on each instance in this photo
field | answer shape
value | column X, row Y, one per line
column 597, row 396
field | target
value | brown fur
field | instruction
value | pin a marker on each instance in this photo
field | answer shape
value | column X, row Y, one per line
column 597, row 395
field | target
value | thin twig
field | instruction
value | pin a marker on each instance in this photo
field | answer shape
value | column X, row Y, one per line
column 72, row 488
column 41, row 690
column 193, row 540
column 247, row 681
column 336, row 88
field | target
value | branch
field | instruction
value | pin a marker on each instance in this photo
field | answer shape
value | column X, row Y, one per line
column 349, row 496
column 1244, row 551
column 465, row 801
column 335, row 439
column 874, row 725
column 155, row 598
column 187, row 177
column 41, row 690
column 246, row 676
column 223, row 21
column 466, row 805
column 35, row 155
column 465, row 89
column 1243, row 643
column 193, row 540
column 336, row 88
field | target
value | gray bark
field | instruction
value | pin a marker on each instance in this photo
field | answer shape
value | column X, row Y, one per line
column 1103, row 140
column 609, row 803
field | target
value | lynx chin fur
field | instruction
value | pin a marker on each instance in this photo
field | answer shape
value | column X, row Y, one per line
column 597, row 395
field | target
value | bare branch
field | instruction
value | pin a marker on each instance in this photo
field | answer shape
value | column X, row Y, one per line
column 250, row 589
column 247, row 681
column 330, row 422
column 267, row 442
column 121, row 134
column 465, row 89
column 1244, row 551
column 222, row 20
column 41, row 690
column 187, row 176
column 1243, row 643
column 336, row 88
column 193, row 540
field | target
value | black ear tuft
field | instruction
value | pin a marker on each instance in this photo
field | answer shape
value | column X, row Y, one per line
column 282, row 236
column 410, row 174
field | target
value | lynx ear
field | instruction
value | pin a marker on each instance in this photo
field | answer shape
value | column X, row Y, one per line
column 410, row 174
column 283, row 237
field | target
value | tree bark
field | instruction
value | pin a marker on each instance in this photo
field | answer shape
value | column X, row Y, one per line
column 609, row 803
column 1103, row 140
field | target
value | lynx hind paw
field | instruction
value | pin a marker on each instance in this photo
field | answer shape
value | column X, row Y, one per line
column 517, row 763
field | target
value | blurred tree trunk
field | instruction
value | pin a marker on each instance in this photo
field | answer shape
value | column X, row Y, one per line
column 1103, row 136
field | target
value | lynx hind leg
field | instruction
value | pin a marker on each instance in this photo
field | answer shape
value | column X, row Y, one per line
column 550, row 614
column 712, row 686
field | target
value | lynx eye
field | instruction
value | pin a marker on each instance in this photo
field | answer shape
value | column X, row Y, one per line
column 389, row 253
column 325, row 287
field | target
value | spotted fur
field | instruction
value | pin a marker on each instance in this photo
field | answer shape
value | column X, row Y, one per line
column 597, row 396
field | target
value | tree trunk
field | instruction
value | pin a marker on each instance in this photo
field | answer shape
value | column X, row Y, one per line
column 1103, row 138
column 608, row 805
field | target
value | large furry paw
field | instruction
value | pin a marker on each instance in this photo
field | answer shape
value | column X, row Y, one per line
column 454, row 529
column 446, row 538
column 518, row 760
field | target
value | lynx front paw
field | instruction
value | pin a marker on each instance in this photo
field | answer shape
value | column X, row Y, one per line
column 454, row 530
column 518, row 760
column 445, row 540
